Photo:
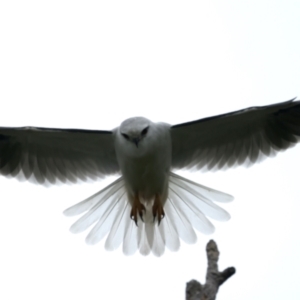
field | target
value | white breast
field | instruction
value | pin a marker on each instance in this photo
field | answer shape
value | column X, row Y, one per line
column 146, row 168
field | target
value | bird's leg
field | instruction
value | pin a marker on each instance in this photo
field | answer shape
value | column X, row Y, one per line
column 137, row 209
column 157, row 209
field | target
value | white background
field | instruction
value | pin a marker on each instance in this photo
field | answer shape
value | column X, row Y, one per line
column 92, row 64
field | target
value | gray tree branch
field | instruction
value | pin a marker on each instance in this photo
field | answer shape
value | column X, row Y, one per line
column 214, row 278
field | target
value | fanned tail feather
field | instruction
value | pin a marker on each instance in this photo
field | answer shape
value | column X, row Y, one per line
column 130, row 243
column 94, row 199
column 187, row 207
column 117, row 232
column 180, row 222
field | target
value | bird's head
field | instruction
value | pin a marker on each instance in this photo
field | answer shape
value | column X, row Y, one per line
column 135, row 129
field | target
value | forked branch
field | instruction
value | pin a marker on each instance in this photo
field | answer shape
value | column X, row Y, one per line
column 214, row 278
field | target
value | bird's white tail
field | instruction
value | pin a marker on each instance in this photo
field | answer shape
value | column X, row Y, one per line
column 187, row 207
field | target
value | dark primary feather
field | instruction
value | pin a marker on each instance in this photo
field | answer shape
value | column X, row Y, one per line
column 56, row 154
column 231, row 139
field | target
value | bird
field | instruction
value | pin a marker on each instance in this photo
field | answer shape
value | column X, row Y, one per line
column 149, row 207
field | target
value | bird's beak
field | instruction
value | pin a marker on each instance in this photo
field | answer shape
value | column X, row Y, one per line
column 136, row 141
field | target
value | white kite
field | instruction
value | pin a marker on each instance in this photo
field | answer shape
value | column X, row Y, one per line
column 149, row 207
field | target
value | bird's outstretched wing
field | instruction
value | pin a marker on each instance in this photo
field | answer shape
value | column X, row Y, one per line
column 52, row 155
column 236, row 138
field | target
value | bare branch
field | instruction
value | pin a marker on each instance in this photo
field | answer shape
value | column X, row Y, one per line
column 195, row 290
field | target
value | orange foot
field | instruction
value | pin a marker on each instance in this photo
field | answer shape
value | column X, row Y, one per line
column 137, row 209
column 157, row 209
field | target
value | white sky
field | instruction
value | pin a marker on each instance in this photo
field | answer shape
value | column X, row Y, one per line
column 92, row 64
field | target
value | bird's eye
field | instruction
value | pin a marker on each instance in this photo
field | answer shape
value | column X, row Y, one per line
column 125, row 136
column 145, row 130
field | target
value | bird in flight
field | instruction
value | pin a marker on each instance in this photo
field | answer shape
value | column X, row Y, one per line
column 149, row 208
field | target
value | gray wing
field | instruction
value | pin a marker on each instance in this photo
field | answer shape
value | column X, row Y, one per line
column 56, row 154
column 234, row 138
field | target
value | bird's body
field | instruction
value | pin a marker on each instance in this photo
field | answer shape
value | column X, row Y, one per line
column 149, row 161
column 142, row 161
column 149, row 207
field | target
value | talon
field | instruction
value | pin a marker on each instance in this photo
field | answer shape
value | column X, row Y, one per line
column 132, row 217
column 161, row 217
column 157, row 210
column 137, row 209
column 141, row 214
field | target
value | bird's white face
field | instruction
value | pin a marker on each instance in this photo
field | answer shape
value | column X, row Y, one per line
column 134, row 130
